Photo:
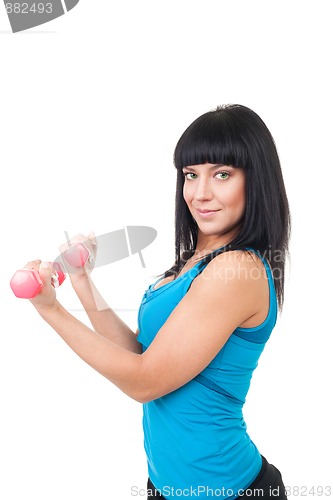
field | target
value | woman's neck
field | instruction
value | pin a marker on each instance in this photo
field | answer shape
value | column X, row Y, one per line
column 208, row 243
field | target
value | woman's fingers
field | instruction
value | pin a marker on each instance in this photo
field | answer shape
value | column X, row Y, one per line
column 46, row 272
column 33, row 264
column 44, row 269
column 89, row 242
column 79, row 238
column 79, row 254
column 92, row 238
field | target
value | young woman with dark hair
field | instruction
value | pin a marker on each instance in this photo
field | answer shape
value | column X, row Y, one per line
column 204, row 323
column 236, row 136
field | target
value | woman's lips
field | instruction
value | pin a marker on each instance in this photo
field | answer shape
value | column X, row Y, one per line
column 206, row 213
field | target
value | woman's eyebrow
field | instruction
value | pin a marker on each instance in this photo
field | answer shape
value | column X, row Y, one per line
column 213, row 167
column 221, row 165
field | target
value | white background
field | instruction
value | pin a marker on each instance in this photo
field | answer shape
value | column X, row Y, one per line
column 91, row 107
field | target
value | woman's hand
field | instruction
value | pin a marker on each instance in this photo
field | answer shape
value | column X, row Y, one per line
column 46, row 299
column 90, row 243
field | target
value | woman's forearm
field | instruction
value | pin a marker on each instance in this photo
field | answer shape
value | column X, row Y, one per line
column 117, row 364
column 103, row 319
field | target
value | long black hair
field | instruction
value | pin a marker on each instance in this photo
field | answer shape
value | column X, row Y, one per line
column 235, row 135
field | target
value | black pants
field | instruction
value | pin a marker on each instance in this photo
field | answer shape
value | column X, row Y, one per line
column 268, row 485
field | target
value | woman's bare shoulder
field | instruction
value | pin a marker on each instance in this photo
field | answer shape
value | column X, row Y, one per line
column 237, row 265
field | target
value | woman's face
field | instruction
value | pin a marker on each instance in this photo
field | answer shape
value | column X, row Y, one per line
column 215, row 196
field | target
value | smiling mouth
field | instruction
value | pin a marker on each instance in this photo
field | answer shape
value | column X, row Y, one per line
column 206, row 213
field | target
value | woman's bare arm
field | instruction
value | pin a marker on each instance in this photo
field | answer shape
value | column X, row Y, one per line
column 103, row 319
column 220, row 299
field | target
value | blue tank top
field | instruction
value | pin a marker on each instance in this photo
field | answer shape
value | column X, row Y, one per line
column 195, row 437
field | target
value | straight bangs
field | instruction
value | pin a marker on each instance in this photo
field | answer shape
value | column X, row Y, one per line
column 210, row 140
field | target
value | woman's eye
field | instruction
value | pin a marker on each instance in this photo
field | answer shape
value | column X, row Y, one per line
column 223, row 175
column 188, row 175
column 192, row 175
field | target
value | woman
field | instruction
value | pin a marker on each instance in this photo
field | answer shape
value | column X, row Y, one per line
column 203, row 325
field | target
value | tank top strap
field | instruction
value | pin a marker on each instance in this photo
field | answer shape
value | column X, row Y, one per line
column 260, row 333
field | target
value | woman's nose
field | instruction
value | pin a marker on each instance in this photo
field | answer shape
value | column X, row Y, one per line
column 203, row 191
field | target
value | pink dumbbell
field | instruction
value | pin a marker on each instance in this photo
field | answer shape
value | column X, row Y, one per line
column 26, row 283
column 77, row 255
